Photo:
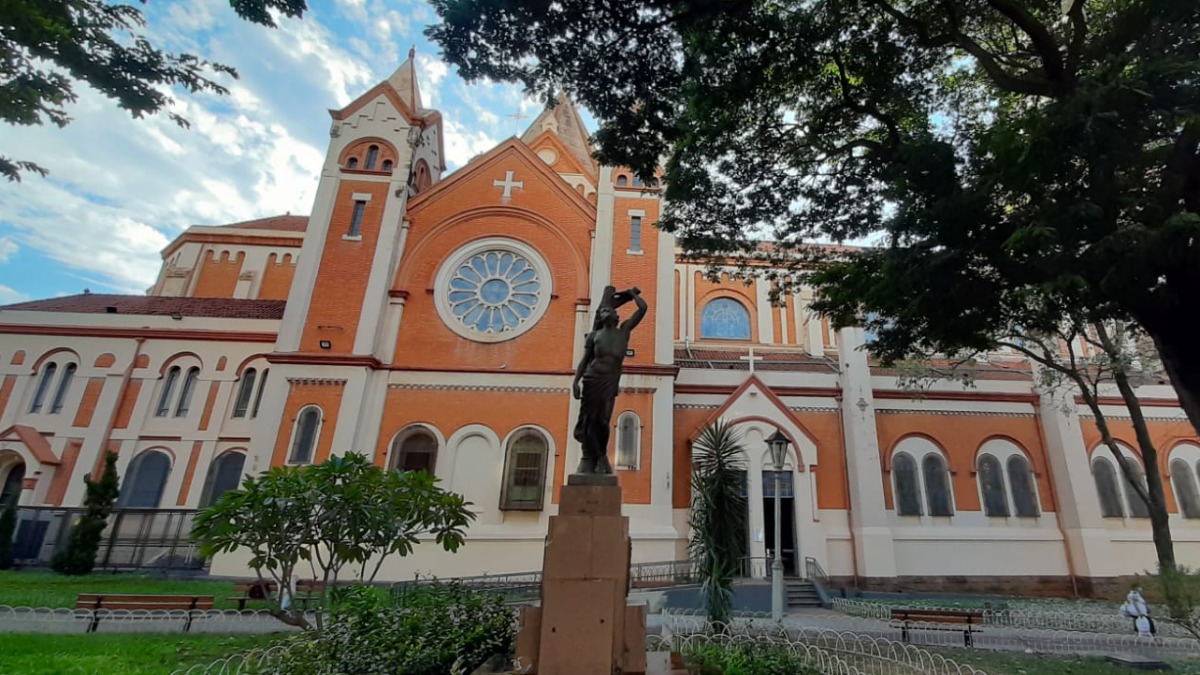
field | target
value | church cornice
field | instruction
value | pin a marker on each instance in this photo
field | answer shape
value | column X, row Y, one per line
column 134, row 333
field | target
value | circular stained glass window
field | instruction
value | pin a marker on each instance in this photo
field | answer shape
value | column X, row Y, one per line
column 492, row 293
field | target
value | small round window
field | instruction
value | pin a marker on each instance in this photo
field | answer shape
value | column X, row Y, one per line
column 493, row 290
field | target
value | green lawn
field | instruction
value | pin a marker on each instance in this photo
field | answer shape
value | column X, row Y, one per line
column 1015, row 663
column 47, row 589
column 118, row 654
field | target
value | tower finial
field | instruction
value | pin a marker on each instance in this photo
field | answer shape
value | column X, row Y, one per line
column 412, row 52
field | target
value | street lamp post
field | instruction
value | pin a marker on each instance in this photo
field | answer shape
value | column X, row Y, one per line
column 778, row 444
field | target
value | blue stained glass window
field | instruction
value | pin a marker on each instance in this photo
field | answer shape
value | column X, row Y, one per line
column 494, row 291
column 725, row 319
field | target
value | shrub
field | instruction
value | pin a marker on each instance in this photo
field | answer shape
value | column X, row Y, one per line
column 79, row 556
column 438, row 630
column 748, row 659
column 8, row 526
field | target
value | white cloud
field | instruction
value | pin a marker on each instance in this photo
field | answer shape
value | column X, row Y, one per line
column 462, row 145
column 430, row 73
column 8, row 295
column 8, row 248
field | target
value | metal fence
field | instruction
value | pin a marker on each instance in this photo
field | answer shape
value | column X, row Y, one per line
column 134, row 539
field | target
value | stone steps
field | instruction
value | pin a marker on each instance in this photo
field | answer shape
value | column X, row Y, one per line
column 801, row 593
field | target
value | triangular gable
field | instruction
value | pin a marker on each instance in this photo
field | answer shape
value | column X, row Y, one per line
column 386, row 89
column 31, row 439
column 495, row 156
column 567, row 162
column 754, row 384
column 564, row 121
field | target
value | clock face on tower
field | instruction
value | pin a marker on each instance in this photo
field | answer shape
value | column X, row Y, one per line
column 492, row 290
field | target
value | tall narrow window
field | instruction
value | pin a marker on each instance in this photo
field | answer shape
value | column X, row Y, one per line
column 629, row 429
column 937, row 485
column 43, row 387
column 185, row 396
column 223, row 476
column 144, row 480
column 245, row 391
column 304, row 438
column 356, row 218
column 908, row 498
column 387, row 165
column 1185, row 489
column 525, row 473
column 1137, row 506
column 64, row 387
column 991, row 484
column 635, row 233
column 352, row 163
column 415, row 451
column 262, row 386
column 1106, row 487
column 372, row 157
column 168, row 388
column 1024, row 492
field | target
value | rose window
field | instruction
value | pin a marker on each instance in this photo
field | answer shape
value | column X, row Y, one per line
column 494, row 292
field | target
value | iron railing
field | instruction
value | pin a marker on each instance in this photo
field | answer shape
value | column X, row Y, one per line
column 134, row 539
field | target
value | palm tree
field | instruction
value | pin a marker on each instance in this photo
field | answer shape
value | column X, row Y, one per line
column 718, row 516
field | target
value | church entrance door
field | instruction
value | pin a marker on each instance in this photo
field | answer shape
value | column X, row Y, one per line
column 787, row 509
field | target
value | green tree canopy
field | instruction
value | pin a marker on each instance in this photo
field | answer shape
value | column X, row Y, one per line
column 49, row 46
column 1005, row 155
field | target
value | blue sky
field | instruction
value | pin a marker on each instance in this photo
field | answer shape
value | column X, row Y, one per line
column 120, row 189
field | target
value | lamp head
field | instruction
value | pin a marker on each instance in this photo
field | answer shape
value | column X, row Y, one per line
column 779, row 445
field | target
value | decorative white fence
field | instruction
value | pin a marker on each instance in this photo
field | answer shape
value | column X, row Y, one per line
column 839, row 651
column 1086, row 620
column 239, row 664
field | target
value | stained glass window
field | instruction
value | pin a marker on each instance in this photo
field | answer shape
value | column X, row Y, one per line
column 725, row 319
column 494, row 292
column 937, row 485
column 908, row 499
column 1106, row 487
column 991, row 483
column 1024, row 492
column 144, row 480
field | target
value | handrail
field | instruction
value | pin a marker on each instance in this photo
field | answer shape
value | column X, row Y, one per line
column 814, row 572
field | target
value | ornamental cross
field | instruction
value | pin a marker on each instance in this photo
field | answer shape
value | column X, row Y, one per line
column 508, row 184
column 752, row 358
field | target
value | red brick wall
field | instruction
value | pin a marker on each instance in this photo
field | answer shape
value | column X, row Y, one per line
column 277, row 277
column 219, row 275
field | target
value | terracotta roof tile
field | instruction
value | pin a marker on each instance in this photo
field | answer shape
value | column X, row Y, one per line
column 96, row 303
column 288, row 223
column 731, row 359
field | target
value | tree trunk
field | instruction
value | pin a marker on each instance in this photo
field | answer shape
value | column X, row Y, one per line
column 1181, row 360
column 1156, row 501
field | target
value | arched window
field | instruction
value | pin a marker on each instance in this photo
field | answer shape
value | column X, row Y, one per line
column 1024, row 494
column 304, row 436
column 64, row 387
column 352, row 163
column 637, row 182
column 144, row 480
column 168, row 388
column 372, row 157
column 43, row 387
column 622, row 180
column 1185, row 489
column 991, row 484
column 1106, row 487
column 241, row 404
column 185, row 396
column 525, row 472
column 1137, row 506
column 629, row 432
column 12, row 486
column 937, row 485
column 224, row 475
column 415, row 450
column 725, row 319
column 387, row 165
column 262, row 386
column 908, row 497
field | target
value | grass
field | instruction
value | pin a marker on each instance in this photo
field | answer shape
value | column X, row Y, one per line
column 1014, row 663
column 47, row 589
column 118, row 653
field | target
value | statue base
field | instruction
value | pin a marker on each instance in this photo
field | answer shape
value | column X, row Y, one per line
column 584, row 625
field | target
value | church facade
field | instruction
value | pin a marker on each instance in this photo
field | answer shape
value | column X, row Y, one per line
column 433, row 322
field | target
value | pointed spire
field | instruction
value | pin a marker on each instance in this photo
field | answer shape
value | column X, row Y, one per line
column 404, row 81
column 563, row 120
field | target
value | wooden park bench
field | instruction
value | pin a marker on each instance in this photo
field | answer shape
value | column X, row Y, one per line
column 127, row 601
column 307, row 591
column 966, row 620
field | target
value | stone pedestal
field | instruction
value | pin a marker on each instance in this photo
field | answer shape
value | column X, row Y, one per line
column 584, row 626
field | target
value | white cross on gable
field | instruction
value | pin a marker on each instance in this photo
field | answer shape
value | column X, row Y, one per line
column 752, row 358
column 508, row 184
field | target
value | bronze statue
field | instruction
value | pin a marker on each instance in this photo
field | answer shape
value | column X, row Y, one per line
column 599, row 373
